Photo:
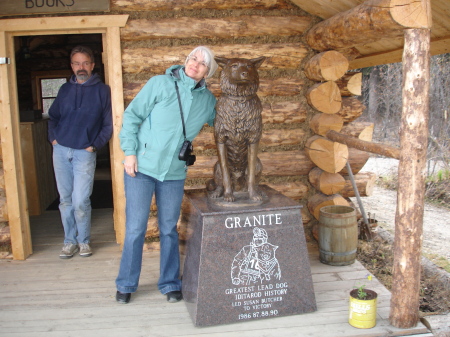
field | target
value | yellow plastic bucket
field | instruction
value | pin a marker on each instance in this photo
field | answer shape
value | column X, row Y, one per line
column 363, row 313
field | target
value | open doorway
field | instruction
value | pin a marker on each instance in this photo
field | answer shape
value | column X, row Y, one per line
column 13, row 166
column 42, row 66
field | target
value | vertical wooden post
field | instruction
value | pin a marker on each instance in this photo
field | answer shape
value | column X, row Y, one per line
column 411, row 179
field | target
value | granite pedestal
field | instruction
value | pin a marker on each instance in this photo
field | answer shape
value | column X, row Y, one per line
column 245, row 263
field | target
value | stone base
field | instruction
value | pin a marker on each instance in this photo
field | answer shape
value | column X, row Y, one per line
column 248, row 263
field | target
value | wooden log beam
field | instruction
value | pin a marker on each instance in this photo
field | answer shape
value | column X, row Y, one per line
column 350, row 84
column 218, row 28
column 326, row 66
column 325, row 97
column 330, row 156
column 319, row 200
column 381, row 149
column 171, row 5
column 285, row 163
column 268, row 87
column 156, row 60
column 365, row 182
column 411, row 179
column 351, row 109
column 369, row 22
column 321, row 123
column 325, row 182
column 269, row 138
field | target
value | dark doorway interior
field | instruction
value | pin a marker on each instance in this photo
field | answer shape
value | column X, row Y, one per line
column 47, row 57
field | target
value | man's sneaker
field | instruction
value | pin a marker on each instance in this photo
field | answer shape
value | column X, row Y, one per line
column 68, row 250
column 85, row 250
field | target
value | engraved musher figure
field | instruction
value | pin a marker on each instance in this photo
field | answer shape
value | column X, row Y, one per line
column 256, row 262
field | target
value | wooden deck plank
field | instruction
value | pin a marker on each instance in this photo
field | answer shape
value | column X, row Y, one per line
column 46, row 296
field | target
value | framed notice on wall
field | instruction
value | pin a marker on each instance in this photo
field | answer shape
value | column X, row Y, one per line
column 21, row 7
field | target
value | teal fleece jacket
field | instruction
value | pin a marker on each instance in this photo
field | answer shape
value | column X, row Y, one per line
column 152, row 128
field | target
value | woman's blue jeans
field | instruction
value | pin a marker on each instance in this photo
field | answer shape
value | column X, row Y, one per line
column 169, row 195
column 74, row 173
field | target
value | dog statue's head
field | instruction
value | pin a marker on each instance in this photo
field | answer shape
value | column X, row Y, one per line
column 239, row 76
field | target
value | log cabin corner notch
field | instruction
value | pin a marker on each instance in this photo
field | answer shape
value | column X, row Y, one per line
column 109, row 27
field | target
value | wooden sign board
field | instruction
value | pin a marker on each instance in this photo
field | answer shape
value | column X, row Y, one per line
column 52, row 6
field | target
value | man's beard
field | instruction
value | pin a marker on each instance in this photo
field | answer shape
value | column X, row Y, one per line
column 82, row 75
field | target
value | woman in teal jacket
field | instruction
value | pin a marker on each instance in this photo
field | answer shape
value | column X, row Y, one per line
column 151, row 138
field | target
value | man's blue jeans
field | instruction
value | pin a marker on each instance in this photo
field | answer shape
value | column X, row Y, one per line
column 74, row 172
column 169, row 195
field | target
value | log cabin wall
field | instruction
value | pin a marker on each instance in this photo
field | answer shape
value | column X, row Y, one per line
column 161, row 33
column 156, row 37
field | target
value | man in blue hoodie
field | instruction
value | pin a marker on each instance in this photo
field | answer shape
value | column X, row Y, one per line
column 80, row 123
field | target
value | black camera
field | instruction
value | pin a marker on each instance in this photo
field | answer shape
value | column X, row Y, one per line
column 185, row 153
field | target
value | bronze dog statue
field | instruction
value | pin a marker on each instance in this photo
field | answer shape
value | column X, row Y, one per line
column 237, row 130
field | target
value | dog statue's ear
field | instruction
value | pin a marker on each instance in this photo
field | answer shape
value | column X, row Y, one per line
column 257, row 62
column 221, row 61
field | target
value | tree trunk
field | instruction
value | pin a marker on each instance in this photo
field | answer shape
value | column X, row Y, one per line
column 369, row 22
column 411, row 179
column 325, row 97
column 350, row 84
column 329, row 156
column 327, row 66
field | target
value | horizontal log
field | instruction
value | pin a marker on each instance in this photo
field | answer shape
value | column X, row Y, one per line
column 267, row 87
column 381, row 149
column 319, row 200
column 365, row 182
column 361, row 130
column 350, row 84
column 369, row 22
column 157, row 60
column 326, row 66
column 171, row 5
column 217, row 28
column 325, row 97
column 286, row 163
column 351, row 109
column 325, row 182
column 330, row 156
column 356, row 159
column 321, row 123
column 269, row 138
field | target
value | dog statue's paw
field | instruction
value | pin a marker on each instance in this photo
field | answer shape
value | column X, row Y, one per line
column 217, row 193
column 256, row 194
column 228, row 197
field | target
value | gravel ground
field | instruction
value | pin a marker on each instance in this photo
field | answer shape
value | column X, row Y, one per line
column 382, row 206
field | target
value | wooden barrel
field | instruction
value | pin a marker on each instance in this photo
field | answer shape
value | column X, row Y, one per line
column 338, row 235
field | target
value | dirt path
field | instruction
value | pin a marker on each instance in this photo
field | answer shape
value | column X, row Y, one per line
column 382, row 206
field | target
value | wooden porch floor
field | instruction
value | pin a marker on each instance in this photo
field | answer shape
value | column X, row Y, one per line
column 47, row 296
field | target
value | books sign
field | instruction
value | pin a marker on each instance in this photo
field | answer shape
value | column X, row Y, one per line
column 52, row 6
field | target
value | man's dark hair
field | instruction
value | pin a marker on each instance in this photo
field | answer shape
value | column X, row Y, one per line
column 83, row 50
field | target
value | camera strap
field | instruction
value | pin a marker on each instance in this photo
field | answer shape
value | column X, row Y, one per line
column 181, row 109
